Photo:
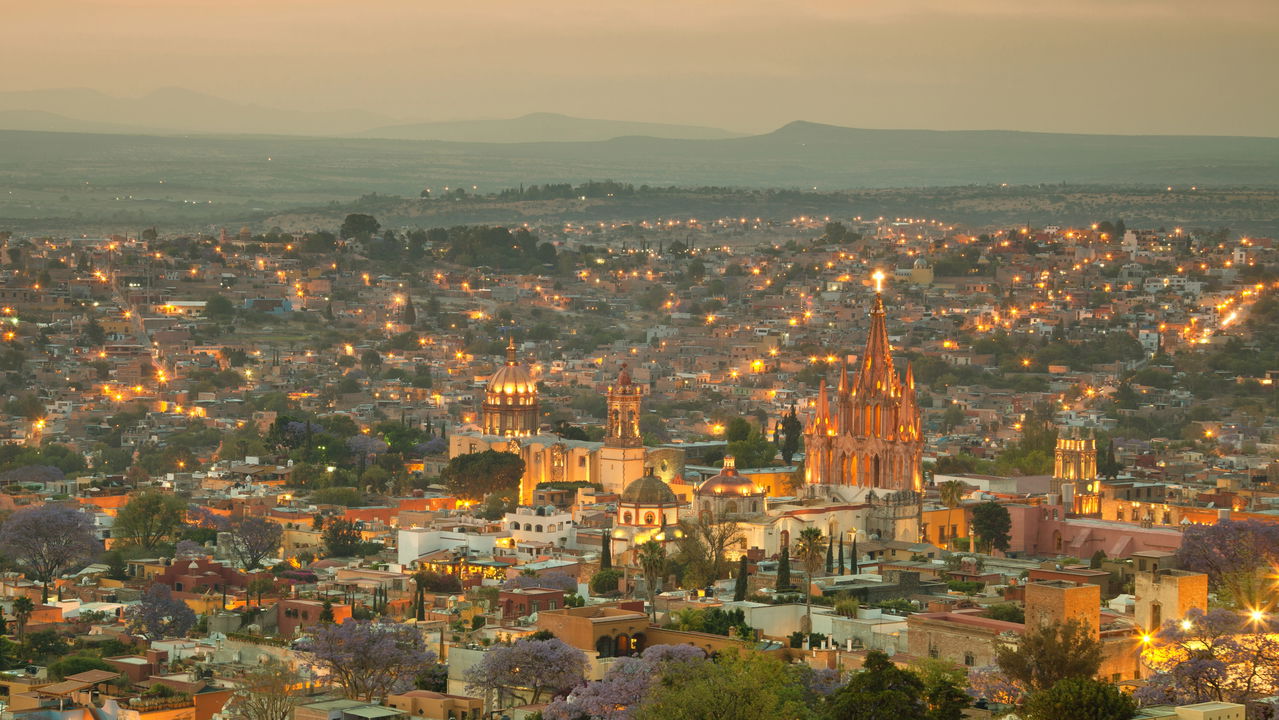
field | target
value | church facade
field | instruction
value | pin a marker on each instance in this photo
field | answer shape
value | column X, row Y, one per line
column 867, row 445
column 510, row 422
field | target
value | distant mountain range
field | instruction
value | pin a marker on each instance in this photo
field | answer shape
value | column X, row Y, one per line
column 170, row 111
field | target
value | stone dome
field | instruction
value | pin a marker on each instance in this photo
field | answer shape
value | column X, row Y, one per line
column 727, row 482
column 921, row 264
column 649, row 490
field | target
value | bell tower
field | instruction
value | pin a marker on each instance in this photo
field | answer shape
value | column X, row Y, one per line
column 622, row 457
column 1075, row 460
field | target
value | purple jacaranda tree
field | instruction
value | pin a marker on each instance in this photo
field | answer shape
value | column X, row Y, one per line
column 553, row 580
column 527, row 670
column 434, row 446
column 32, row 475
column 623, row 687
column 1214, row 656
column 369, row 660
column 253, row 538
column 160, row 615
column 366, row 445
column 188, row 548
column 47, row 540
column 992, row 685
column 1232, row 552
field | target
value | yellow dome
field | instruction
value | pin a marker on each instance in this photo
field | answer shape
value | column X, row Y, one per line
column 512, row 378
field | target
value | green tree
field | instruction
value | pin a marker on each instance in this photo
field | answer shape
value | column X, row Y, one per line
column 740, row 587
column 1080, row 698
column 473, row 476
column 739, row 686
column 150, row 518
column 809, row 551
column 1049, row 654
column 991, row 523
column 792, row 431
column 604, row 582
column 652, row 562
column 738, row 429
column 879, row 690
column 341, row 538
column 783, row 570
column 22, row 609
column 952, row 496
column 359, row 226
column 218, row 307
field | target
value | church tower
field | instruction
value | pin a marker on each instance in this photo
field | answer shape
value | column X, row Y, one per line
column 622, row 457
column 870, row 439
column 1075, row 460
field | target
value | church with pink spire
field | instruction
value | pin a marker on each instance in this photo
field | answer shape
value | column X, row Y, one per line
column 866, row 443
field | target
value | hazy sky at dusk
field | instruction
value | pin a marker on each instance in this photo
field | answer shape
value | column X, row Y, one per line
column 1163, row 66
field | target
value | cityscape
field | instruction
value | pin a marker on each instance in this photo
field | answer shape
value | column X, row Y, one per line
column 358, row 411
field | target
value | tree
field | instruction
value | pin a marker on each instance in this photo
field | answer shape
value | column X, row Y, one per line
column 740, row 587
column 792, row 431
column 738, row 686
column 1049, row 654
column 952, row 495
column 22, row 609
column 218, row 307
column 75, row 664
column 1107, row 466
column 150, row 518
column 526, row 670
column 1080, row 698
column 369, row 660
column 879, row 690
column 1213, row 656
column 473, row 476
column 991, row 523
column 160, row 615
column 830, row 555
column 606, row 552
column 1233, row 553
column 701, row 547
column 625, row 685
column 267, row 692
column 652, row 562
column 944, row 688
column 359, row 226
column 737, row 429
column 46, row 540
column 252, row 539
column 783, row 570
column 604, row 582
column 809, row 551
column 341, row 538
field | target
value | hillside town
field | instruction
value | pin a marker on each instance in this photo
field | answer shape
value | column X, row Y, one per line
column 609, row 470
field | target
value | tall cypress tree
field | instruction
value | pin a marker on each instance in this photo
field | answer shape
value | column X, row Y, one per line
column 783, row 570
column 841, row 555
column 856, row 567
column 739, row 590
column 606, row 555
column 830, row 555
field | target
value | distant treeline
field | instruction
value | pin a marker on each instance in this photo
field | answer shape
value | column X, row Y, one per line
column 612, row 189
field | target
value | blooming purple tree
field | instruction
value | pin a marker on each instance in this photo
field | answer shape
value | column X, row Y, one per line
column 188, row 548
column 369, row 660
column 553, row 580
column 990, row 684
column 623, row 687
column 160, row 615
column 526, row 670
column 252, row 539
column 47, row 540
column 1232, row 552
column 1218, row 655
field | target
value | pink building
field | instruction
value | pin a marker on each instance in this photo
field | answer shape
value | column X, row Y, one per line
column 1045, row 530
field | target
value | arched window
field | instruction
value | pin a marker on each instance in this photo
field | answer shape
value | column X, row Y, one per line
column 515, row 526
column 626, row 518
column 538, row 528
column 649, row 518
column 730, row 508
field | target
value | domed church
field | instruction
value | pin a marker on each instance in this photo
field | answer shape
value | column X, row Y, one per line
column 510, row 400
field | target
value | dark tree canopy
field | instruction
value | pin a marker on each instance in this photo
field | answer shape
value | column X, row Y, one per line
column 991, row 524
column 1050, row 654
column 474, row 476
column 48, row 540
column 150, row 518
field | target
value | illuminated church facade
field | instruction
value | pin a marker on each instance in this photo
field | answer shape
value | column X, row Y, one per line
column 866, row 444
column 510, row 421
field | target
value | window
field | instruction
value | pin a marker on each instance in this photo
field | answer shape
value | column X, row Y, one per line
column 969, row 660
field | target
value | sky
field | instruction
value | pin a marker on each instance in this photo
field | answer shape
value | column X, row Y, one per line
column 1093, row 66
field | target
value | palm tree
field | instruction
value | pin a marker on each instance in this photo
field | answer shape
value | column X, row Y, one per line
column 811, row 553
column 952, row 494
column 652, row 561
column 22, row 609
